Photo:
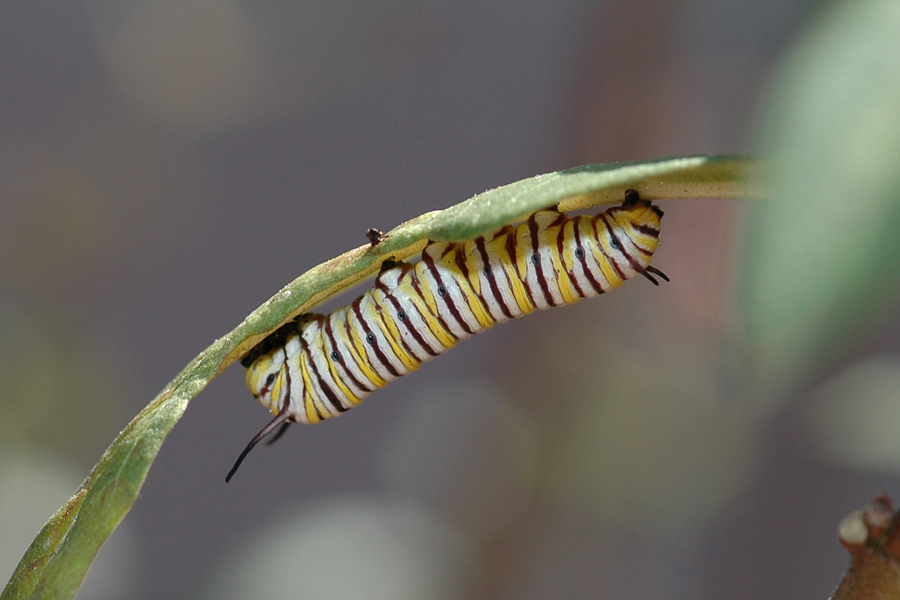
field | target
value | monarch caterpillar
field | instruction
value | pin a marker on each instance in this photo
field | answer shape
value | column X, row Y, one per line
column 316, row 367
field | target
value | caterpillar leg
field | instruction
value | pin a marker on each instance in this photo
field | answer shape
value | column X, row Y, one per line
column 632, row 197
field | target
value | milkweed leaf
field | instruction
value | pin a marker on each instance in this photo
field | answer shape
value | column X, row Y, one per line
column 55, row 564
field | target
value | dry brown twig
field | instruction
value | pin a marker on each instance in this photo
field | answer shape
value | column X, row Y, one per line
column 872, row 537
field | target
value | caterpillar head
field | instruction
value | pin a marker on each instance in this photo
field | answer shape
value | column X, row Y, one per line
column 634, row 233
column 266, row 376
column 267, row 379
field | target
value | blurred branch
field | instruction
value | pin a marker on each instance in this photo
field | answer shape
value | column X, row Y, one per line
column 872, row 537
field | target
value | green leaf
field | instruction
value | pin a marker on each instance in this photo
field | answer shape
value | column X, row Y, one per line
column 54, row 566
column 824, row 259
column 27, row 573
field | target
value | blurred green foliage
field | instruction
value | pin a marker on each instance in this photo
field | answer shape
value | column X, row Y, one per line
column 823, row 258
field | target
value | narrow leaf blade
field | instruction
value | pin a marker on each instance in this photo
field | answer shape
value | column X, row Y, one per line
column 55, row 564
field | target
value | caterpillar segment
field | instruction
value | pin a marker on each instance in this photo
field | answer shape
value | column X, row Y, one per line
column 319, row 366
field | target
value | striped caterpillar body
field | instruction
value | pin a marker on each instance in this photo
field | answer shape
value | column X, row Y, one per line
column 318, row 366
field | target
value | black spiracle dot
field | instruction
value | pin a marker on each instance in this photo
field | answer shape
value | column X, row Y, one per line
column 442, row 291
column 335, row 356
column 614, row 242
column 270, row 379
column 401, row 315
column 579, row 253
column 370, row 339
column 535, row 258
column 487, row 271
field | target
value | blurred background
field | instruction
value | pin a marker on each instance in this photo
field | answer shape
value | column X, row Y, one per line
column 166, row 166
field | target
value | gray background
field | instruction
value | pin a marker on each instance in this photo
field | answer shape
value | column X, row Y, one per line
column 167, row 166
